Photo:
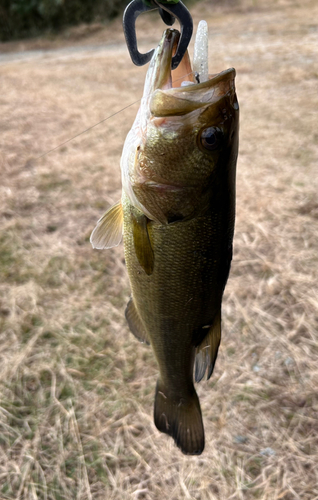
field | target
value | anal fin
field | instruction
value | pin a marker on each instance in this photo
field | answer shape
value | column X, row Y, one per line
column 207, row 351
column 109, row 230
column 135, row 323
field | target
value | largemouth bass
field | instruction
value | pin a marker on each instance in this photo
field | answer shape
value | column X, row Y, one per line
column 177, row 219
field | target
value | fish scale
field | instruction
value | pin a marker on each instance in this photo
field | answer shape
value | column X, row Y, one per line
column 177, row 216
column 187, row 265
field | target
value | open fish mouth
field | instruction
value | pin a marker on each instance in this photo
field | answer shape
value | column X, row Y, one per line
column 176, row 107
column 190, row 84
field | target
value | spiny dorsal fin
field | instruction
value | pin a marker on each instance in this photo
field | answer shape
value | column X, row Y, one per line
column 207, row 351
column 142, row 242
column 134, row 322
column 109, row 230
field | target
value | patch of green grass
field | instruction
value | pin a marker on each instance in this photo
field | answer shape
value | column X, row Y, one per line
column 230, row 351
column 67, row 392
column 50, row 337
column 53, row 273
column 51, row 228
column 29, row 324
column 304, row 155
column 56, row 490
column 253, row 466
column 246, row 394
column 96, row 463
column 14, row 266
column 87, row 322
column 50, row 182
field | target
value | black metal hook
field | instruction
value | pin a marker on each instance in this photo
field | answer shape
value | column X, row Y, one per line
column 168, row 15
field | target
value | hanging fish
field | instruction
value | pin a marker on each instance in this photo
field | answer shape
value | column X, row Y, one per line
column 176, row 216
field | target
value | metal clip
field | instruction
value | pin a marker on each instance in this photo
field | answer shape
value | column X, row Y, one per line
column 168, row 15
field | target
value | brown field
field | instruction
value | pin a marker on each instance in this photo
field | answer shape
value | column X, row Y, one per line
column 77, row 389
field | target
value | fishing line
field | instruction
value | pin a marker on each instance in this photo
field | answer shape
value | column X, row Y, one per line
column 102, row 121
column 86, row 130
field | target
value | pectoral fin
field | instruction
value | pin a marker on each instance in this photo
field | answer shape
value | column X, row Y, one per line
column 109, row 230
column 134, row 322
column 143, row 248
column 207, row 351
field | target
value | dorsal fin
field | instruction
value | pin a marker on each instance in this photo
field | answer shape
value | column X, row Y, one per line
column 207, row 351
column 109, row 230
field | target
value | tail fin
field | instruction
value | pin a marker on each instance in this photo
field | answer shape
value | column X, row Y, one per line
column 181, row 419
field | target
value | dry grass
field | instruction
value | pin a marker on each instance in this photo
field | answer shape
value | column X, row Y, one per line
column 76, row 388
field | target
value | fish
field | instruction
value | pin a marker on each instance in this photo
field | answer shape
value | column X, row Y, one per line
column 176, row 216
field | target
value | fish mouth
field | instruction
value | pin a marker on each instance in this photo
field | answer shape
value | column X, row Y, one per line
column 180, row 91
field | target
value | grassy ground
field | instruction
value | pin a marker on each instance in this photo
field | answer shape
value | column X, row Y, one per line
column 76, row 387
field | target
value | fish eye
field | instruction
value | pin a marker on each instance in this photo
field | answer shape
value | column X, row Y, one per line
column 211, row 138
